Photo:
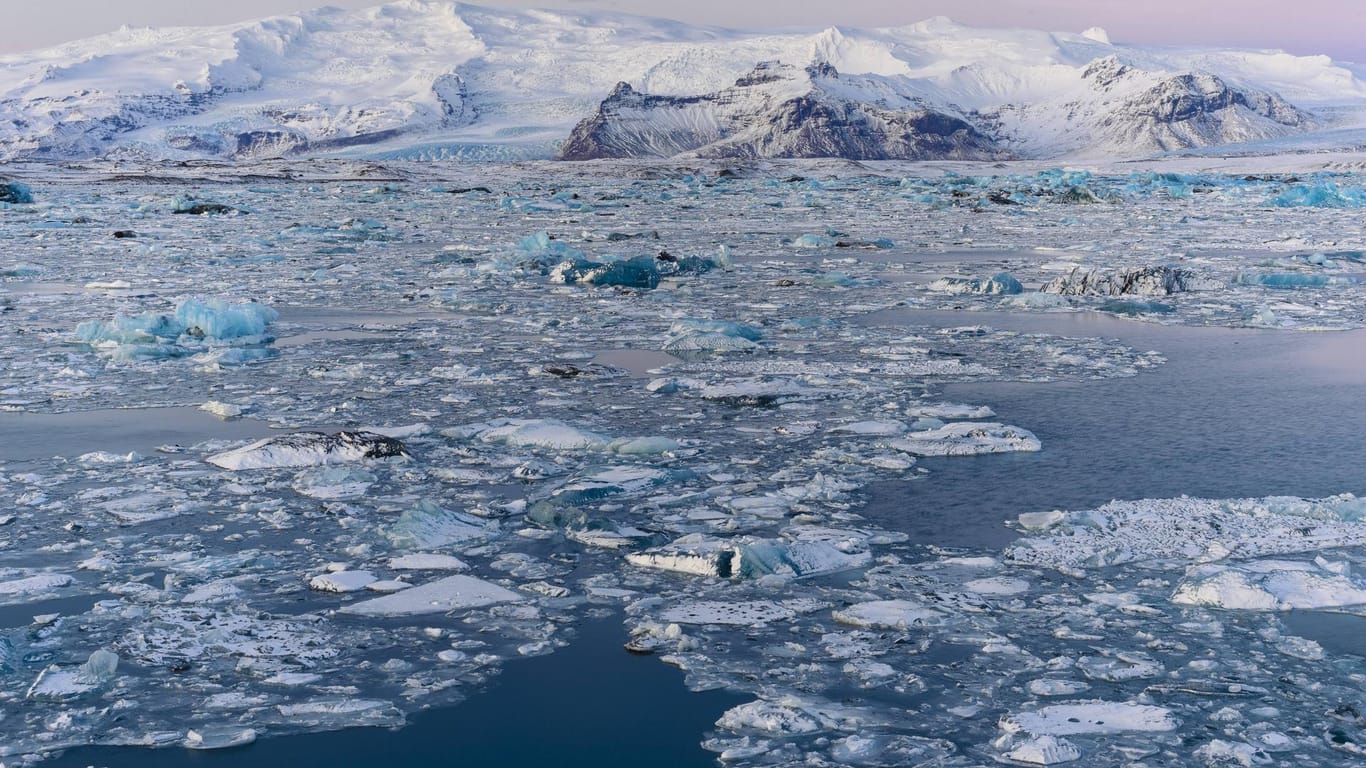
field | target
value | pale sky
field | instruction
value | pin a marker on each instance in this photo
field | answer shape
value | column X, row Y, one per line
column 1334, row 27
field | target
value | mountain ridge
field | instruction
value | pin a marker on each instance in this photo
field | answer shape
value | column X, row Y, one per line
column 422, row 79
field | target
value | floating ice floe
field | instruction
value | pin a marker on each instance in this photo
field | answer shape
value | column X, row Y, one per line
column 1185, row 530
column 1270, row 585
column 342, row 581
column 309, row 449
column 890, row 614
column 426, row 525
column 750, row 558
column 967, row 439
column 334, row 482
column 1090, row 717
column 451, row 593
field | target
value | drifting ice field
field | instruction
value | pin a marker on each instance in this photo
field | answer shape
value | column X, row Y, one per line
column 319, row 446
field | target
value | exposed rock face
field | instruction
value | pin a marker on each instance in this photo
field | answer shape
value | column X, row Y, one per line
column 776, row 111
column 1200, row 110
column 1147, row 281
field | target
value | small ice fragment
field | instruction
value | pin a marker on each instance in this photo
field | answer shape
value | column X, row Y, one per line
column 1044, row 750
column 342, row 581
column 100, row 667
column 1041, row 521
column 222, row 410
column 219, row 737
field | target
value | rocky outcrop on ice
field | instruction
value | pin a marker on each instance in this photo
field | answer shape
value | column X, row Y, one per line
column 1144, row 281
column 424, row 79
column 777, row 111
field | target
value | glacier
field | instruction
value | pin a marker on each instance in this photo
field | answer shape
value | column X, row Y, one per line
column 435, row 80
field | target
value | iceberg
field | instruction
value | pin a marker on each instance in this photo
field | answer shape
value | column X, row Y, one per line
column 310, row 449
column 235, row 333
column 1000, row 284
column 638, row 272
column 14, row 193
column 1144, row 281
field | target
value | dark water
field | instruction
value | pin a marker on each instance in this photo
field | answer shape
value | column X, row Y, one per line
column 31, row 436
column 1233, row 413
column 590, row 704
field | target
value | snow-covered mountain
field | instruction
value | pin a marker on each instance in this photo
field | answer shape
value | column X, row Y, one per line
column 427, row 79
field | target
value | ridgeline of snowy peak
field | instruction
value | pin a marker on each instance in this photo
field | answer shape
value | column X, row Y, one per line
column 422, row 79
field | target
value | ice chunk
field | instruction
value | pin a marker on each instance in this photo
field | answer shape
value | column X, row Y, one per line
column 697, row 341
column 967, row 439
column 448, row 594
column 219, row 737
column 882, row 428
column 749, row 558
column 890, row 614
column 334, row 482
column 949, row 411
column 721, row 327
column 639, row 272
column 695, row 553
column 222, row 410
column 14, row 193
column 761, row 393
column 1145, row 281
column 38, row 584
column 1291, row 280
column 427, row 562
column 1043, row 750
column 1319, row 194
column 1090, row 717
column 56, row 684
column 551, row 434
column 309, row 449
column 229, row 333
column 1269, row 585
column 342, row 581
column 428, row 526
column 1000, row 284
column 611, row 481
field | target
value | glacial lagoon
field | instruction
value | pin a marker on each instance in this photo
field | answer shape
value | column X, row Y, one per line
column 791, row 433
